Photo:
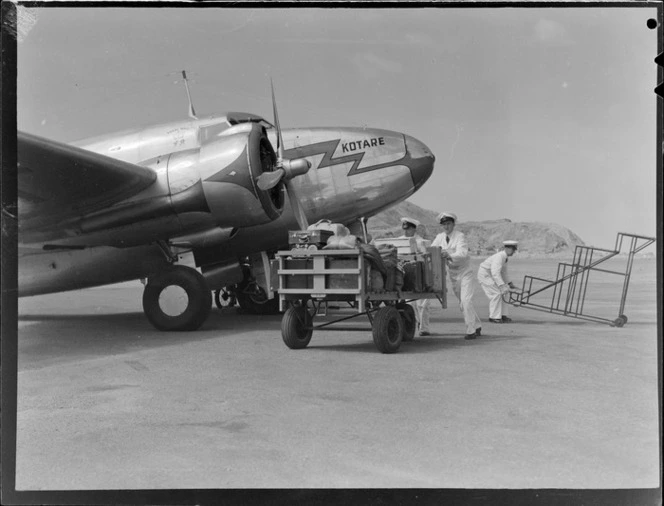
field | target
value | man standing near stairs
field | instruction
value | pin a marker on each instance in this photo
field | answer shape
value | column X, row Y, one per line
column 492, row 276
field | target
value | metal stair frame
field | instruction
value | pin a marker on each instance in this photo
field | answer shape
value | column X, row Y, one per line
column 577, row 281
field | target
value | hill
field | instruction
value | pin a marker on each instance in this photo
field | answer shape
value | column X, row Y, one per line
column 484, row 237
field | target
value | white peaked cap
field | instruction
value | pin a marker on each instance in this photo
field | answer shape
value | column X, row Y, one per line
column 514, row 244
column 411, row 221
column 445, row 214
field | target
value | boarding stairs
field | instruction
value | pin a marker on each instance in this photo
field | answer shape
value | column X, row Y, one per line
column 568, row 291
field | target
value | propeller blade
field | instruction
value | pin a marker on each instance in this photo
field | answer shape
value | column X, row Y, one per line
column 300, row 217
column 268, row 180
column 280, row 141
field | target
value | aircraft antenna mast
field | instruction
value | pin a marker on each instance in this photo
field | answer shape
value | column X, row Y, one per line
column 192, row 112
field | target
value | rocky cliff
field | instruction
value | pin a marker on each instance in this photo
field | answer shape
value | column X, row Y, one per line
column 484, row 237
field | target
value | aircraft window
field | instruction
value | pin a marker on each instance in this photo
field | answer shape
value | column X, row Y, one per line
column 260, row 121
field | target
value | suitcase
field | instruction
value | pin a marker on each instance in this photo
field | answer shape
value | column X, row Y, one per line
column 427, row 272
column 413, row 277
column 342, row 280
column 306, row 238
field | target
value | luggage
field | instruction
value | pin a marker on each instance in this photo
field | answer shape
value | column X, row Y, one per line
column 306, row 238
column 388, row 253
column 342, row 242
column 372, row 255
column 298, row 280
column 413, row 277
column 376, row 283
column 335, row 228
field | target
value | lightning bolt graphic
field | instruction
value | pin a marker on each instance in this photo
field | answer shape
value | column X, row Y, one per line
column 327, row 149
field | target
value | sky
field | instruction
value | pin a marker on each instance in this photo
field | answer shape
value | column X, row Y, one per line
column 533, row 114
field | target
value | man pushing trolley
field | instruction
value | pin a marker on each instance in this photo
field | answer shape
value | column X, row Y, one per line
column 493, row 279
column 454, row 249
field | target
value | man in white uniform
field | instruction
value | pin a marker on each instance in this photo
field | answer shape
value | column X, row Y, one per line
column 409, row 227
column 492, row 276
column 454, row 249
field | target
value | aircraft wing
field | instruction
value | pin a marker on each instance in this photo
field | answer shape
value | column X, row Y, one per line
column 57, row 182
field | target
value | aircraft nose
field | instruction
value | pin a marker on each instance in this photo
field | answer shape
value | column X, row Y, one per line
column 421, row 160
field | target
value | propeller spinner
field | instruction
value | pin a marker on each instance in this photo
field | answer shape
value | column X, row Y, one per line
column 285, row 170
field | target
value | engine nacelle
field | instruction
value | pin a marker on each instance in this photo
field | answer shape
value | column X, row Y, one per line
column 223, row 173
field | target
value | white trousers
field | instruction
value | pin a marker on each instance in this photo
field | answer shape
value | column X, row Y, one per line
column 421, row 307
column 497, row 307
column 463, row 286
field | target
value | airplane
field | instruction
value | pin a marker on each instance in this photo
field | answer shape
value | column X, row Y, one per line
column 197, row 206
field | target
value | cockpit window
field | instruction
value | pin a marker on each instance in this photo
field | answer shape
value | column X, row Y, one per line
column 235, row 118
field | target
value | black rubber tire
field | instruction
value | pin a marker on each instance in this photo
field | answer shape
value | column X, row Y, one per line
column 199, row 297
column 256, row 304
column 409, row 322
column 387, row 329
column 296, row 328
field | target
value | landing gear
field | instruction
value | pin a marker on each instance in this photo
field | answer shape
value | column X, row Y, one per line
column 252, row 298
column 177, row 299
column 224, row 299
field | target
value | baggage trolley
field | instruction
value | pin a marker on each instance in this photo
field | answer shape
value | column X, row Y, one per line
column 309, row 279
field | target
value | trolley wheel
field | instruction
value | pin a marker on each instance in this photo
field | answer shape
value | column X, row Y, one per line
column 620, row 321
column 296, row 328
column 387, row 329
column 408, row 321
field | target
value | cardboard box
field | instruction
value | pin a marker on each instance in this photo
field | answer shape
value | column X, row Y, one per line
column 404, row 245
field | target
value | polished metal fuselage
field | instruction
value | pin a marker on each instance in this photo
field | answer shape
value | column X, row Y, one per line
column 355, row 172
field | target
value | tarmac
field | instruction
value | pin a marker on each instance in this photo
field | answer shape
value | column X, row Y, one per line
column 107, row 402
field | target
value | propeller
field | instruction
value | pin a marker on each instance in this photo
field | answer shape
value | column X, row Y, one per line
column 285, row 170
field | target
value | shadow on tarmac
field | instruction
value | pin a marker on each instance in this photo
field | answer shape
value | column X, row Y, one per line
column 418, row 345
column 48, row 336
column 129, row 318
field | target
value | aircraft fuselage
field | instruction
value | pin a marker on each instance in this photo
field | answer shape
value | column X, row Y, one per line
column 355, row 172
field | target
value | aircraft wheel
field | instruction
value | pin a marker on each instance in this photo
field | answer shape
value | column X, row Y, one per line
column 409, row 322
column 223, row 299
column 387, row 329
column 253, row 299
column 296, row 328
column 177, row 299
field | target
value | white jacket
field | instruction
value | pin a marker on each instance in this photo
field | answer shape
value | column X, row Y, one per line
column 495, row 268
column 457, row 248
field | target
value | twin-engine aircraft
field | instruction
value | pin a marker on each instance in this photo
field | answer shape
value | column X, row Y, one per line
column 197, row 206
